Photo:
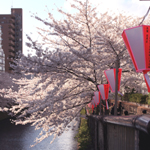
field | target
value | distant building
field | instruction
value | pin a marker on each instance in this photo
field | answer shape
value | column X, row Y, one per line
column 10, row 38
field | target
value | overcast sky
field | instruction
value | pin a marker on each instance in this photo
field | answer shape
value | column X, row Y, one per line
column 41, row 7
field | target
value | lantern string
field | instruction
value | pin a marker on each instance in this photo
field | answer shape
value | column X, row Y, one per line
column 120, row 93
column 144, row 16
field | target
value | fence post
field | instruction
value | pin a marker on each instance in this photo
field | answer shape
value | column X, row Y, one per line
column 136, row 139
column 100, row 105
column 116, row 86
column 95, row 141
column 100, row 136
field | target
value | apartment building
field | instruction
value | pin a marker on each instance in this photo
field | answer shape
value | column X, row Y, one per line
column 10, row 38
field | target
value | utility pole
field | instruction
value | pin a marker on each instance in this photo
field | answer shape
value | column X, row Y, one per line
column 100, row 105
column 116, row 86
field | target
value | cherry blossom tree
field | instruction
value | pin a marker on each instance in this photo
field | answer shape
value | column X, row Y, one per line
column 7, row 86
column 69, row 63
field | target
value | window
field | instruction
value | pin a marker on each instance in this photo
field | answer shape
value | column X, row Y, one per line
column 1, row 68
column 1, row 53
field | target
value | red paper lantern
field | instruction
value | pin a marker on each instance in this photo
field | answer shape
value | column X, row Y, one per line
column 92, row 108
column 93, row 105
column 104, row 91
column 137, row 41
column 97, row 96
column 111, row 78
column 95, row 101
column 89, row 105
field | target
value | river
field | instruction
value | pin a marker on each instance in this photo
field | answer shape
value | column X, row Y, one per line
column 20, row 137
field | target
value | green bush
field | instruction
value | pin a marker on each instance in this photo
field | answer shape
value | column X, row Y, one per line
column 82, row 112
column 128, row 93
column 126, row 96
column 148, row 99
column 83, row 136
column 135, row 97
column 144, row 99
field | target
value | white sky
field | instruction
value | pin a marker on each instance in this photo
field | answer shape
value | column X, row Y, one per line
column 135, row 7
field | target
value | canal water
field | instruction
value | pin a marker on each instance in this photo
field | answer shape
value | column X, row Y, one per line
column 20, row 137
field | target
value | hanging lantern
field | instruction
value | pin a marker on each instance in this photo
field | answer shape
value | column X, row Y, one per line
column 137, row 41
column 104, row 91
column 111, row 78
column 97, row 96
column 89, row 105
column 93, row 105
column 147, row 80
column 95, row 101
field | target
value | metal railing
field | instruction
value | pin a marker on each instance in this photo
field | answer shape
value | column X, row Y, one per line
column 120, row 132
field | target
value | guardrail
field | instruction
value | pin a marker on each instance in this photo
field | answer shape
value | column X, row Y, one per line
column 120, row 132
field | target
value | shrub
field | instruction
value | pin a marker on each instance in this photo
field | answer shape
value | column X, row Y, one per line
column 83, row 136
column 135, row 97
column 144, row 99
column 126, row 96
column 82, row 112
column 138, row 98
column 148, row 99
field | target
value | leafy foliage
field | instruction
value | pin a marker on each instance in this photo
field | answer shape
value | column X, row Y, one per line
column 83, row 135
column 144, row 99
column 135, row 97
column 148, row 99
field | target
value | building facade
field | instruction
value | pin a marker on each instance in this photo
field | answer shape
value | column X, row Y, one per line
column 10, row 38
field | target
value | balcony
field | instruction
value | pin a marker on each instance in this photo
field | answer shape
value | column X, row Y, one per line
column 11, row 55
column 11, row 59
column 11, row 43
column 13, row 16
column 12, row 21
column 10, row 69
column 11, row 48
column 11, row 31
column 11, row 37
column 12, row 26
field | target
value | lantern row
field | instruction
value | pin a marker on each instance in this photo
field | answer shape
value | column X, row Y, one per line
column 104, row 88
column 137, row 41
